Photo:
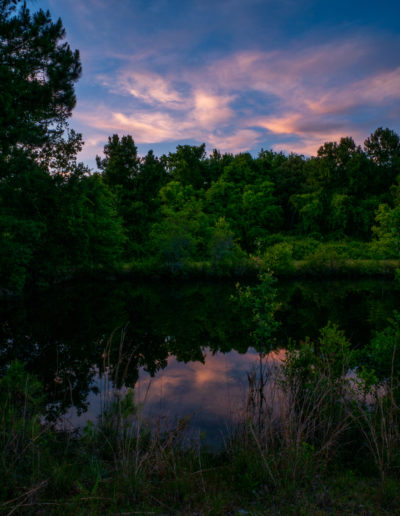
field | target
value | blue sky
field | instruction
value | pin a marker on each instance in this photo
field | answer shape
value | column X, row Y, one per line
column 238, row 75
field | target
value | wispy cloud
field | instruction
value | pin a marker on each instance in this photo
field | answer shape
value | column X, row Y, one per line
column 236, row 141
column 292, row 99
column 149, row 87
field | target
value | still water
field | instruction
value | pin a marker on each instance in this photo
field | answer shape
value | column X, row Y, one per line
column 184, row 347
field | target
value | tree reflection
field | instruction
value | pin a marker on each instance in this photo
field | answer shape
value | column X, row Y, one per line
column 69, row 335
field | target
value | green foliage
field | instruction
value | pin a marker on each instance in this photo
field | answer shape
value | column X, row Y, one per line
column 121, row 162
column 187, row 165
column 313, row 378
column 300, row 246
column 181, row 212
column 90, row 223
column 52, row 227
column 310, row 210
column 135, row 182
column 20, row 392
column 224, row 252
column 261, row 214
column 37, row 75
column 176, row 197
column 387, row 230
column 330, row 357
column 18, row 240
column 383, row 147
column 381, row 356
column 182, row 233
column 247, row 203
column 279, row 257
column 25, row 204
column 260, row 301
column 173, row 241
column 325, row 258
column 241, row 171
column 223, row 199
column 22, row 439
column 340, row 212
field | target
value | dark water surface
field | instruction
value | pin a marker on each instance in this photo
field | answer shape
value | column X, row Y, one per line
column 183, row 346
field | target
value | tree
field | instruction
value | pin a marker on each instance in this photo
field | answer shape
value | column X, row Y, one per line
column 216, row 162
column 26, row 204
column 55, row 218
column 287, row 173
column 383, row 146
column 224, row 251
column 183, row 232
column 121, row 164
column 84, row 232
column 387, row 230
column 261, row 214
column 188, row 165
column 135, row 182
column 152, row 176
column 343, row 189
column 37, row 75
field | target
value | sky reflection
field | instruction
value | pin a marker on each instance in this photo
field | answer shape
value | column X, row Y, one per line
column 214, row 393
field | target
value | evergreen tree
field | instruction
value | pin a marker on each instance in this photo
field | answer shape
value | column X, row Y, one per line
column 37, row 75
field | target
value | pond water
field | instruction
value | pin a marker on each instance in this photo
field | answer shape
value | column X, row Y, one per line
column 184, row 347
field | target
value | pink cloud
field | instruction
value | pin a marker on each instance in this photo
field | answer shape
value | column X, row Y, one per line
column 304, row 101
column 286, row 124
column 240, row 141
column 149, row 87
column 210, row 110
column 373, row 90
column 218, row 387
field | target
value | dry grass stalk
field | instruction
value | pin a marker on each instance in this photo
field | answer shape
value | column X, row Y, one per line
column 294, row 428
column 379, row 420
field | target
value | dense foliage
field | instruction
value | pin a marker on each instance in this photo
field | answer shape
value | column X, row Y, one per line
column 221, row 213
column 56, row 217
column 226, row 214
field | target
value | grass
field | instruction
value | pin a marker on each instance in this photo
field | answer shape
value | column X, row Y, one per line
column 349, row 267
column 307, row 443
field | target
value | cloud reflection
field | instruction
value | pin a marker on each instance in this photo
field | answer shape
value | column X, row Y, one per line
column 214, row 393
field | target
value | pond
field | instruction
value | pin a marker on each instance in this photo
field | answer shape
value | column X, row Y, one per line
column 183, row 346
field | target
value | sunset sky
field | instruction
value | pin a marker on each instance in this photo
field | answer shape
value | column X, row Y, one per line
column 239, row 75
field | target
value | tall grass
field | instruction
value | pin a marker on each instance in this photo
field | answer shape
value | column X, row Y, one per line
column 303, row 414
column 295, row 418
column 377, row 415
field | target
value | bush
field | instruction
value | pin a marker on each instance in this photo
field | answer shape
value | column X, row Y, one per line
column 325, row 258
column 279, row 258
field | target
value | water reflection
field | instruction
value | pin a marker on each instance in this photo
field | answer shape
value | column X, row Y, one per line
column 188, row 339
column 214, row 392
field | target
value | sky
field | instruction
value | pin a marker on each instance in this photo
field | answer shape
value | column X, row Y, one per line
column 238, row 75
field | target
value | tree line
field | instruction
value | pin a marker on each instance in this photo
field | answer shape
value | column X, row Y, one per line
column 57, row 217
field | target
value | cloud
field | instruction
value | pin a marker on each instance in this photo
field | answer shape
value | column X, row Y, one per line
column 293, row 99
column 150, row 87
column 286, row 124
column 158, row 126
column 240, row 141
column 210, row 110
column 374, row 90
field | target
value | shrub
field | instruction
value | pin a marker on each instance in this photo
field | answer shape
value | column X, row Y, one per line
column 279, row 258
